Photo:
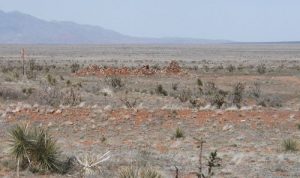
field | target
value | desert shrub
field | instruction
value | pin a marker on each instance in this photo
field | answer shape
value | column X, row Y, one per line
column 214, row 95
column 36, row 149
column 256, row 90
column 261, row 69
column 290, row 145
column 238, row 91
column 68, row 83
column 213, row 161
column 135, row 172
column 240, row 67
column 51, row 80
column 270, row 101
column 175, row 86
column 116, row 82
column 49, row 95
column 27, row 91
column 199, row 82
column 179, row 133
column 185, row 95
column 129, row 103
column 230, row 68
column 71, row 96
column 75, row 67
column 298, row 126
column 11, row 93
column 160, row 90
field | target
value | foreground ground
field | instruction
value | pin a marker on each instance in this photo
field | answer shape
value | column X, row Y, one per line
column 111, row 101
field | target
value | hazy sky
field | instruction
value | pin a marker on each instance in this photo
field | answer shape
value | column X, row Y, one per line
column 239, row 20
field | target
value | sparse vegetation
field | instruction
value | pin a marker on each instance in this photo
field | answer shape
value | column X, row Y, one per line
column 75, row 67
column 238, row 91
column 290, row 145
column 179, row 133
column 160, row 90
column 134, row 172
column 261, row 69
column 116, row 82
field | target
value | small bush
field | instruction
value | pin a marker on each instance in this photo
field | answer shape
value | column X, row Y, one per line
column 199, row 82
column 49, row 95
column 256, row 90
column 51, row 80
column 160, row 90
column 75, row 67
column 214, row 95
column 238, row 91
column 11, row 94
column 179, row 133
column 290, row 145
column 298, row 126
column 175, row 86
column 230, row 68
column 116, row 82
column 185, row 95
column 261, row 69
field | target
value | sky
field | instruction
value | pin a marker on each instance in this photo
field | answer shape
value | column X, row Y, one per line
column 237, row 20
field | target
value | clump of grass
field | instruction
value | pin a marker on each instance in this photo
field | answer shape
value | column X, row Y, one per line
column 135, row 172
column 298, row 126
column 160, row 90
column 290, row 145
column 51, row 80
column 36, row 149
column 116, row 82
column 179, row 133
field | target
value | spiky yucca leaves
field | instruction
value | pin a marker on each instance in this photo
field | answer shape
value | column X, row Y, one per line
column 135, row 172
column 36, row 148
column 20, row 142
column 44, row 152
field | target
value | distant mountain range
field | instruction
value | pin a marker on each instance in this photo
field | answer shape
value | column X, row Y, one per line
column 19, row 28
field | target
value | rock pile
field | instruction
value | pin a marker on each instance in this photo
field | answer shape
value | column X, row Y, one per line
column 95, row 70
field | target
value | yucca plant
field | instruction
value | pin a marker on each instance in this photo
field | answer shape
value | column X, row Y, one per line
column 35, row 149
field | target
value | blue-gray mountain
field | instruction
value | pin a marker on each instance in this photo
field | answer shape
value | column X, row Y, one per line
column 19, row 28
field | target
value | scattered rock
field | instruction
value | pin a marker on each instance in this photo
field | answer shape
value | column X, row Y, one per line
column 68, row 123
column 108, row 108
column 227, row 127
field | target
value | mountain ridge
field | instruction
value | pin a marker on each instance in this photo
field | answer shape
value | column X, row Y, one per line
column 20, row 28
